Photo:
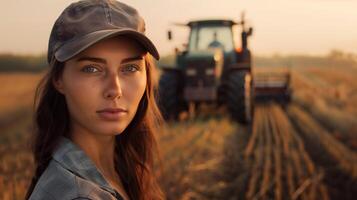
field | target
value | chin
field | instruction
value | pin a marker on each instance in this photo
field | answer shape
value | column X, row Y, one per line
column 113, row 130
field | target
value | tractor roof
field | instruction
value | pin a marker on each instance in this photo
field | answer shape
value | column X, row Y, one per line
column 211, row 22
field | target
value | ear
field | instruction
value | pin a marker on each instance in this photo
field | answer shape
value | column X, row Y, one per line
column 58, row 84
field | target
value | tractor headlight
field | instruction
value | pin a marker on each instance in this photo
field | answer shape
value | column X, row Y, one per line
column 209, row 71
column 191, row 72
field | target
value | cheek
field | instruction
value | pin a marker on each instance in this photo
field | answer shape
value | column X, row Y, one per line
column 78, row 93
column 134, row 90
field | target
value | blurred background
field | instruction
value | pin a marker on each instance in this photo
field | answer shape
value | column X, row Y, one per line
column 302, row 149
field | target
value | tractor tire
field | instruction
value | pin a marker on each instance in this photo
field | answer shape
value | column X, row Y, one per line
column 239, row 96
column 170, row 95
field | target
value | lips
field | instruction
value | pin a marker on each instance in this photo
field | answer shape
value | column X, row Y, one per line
column 112, row 114
column 112, row 110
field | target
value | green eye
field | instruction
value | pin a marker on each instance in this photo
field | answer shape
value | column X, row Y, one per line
column 130, row 68
column 90, row 69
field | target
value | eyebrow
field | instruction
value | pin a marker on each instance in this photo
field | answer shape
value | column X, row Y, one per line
column 103, row 61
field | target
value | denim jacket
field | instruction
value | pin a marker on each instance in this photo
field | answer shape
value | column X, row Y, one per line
column 70, row 175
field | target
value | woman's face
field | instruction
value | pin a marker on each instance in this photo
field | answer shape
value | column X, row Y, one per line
column 103, row 86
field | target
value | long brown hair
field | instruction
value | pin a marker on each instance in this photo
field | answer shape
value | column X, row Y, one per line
column 136, row 149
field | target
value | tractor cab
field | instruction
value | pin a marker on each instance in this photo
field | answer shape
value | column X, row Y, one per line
column 210, row 34
column 216, row 35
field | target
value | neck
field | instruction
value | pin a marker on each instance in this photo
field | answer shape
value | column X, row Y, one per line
column 99, row 148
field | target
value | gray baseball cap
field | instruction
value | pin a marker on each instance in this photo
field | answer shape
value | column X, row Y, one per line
column 86, row 22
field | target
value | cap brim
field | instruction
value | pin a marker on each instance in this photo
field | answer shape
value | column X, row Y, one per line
column 74, row 47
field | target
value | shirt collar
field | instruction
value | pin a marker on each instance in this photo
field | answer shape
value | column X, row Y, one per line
column 74, row 159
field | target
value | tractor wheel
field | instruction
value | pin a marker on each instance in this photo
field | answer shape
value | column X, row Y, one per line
column 170, row 96
column 239, row 96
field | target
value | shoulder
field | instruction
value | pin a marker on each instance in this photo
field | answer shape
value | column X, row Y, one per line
column 59, row 183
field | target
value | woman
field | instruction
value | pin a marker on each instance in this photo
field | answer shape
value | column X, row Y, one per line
column 95, row 109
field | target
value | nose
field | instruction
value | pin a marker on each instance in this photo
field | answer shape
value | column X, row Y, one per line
column 113, row 89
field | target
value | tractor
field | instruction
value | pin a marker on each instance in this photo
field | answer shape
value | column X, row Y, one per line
column 212, row 69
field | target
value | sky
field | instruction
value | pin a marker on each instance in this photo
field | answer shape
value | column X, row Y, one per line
column 280, row 26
